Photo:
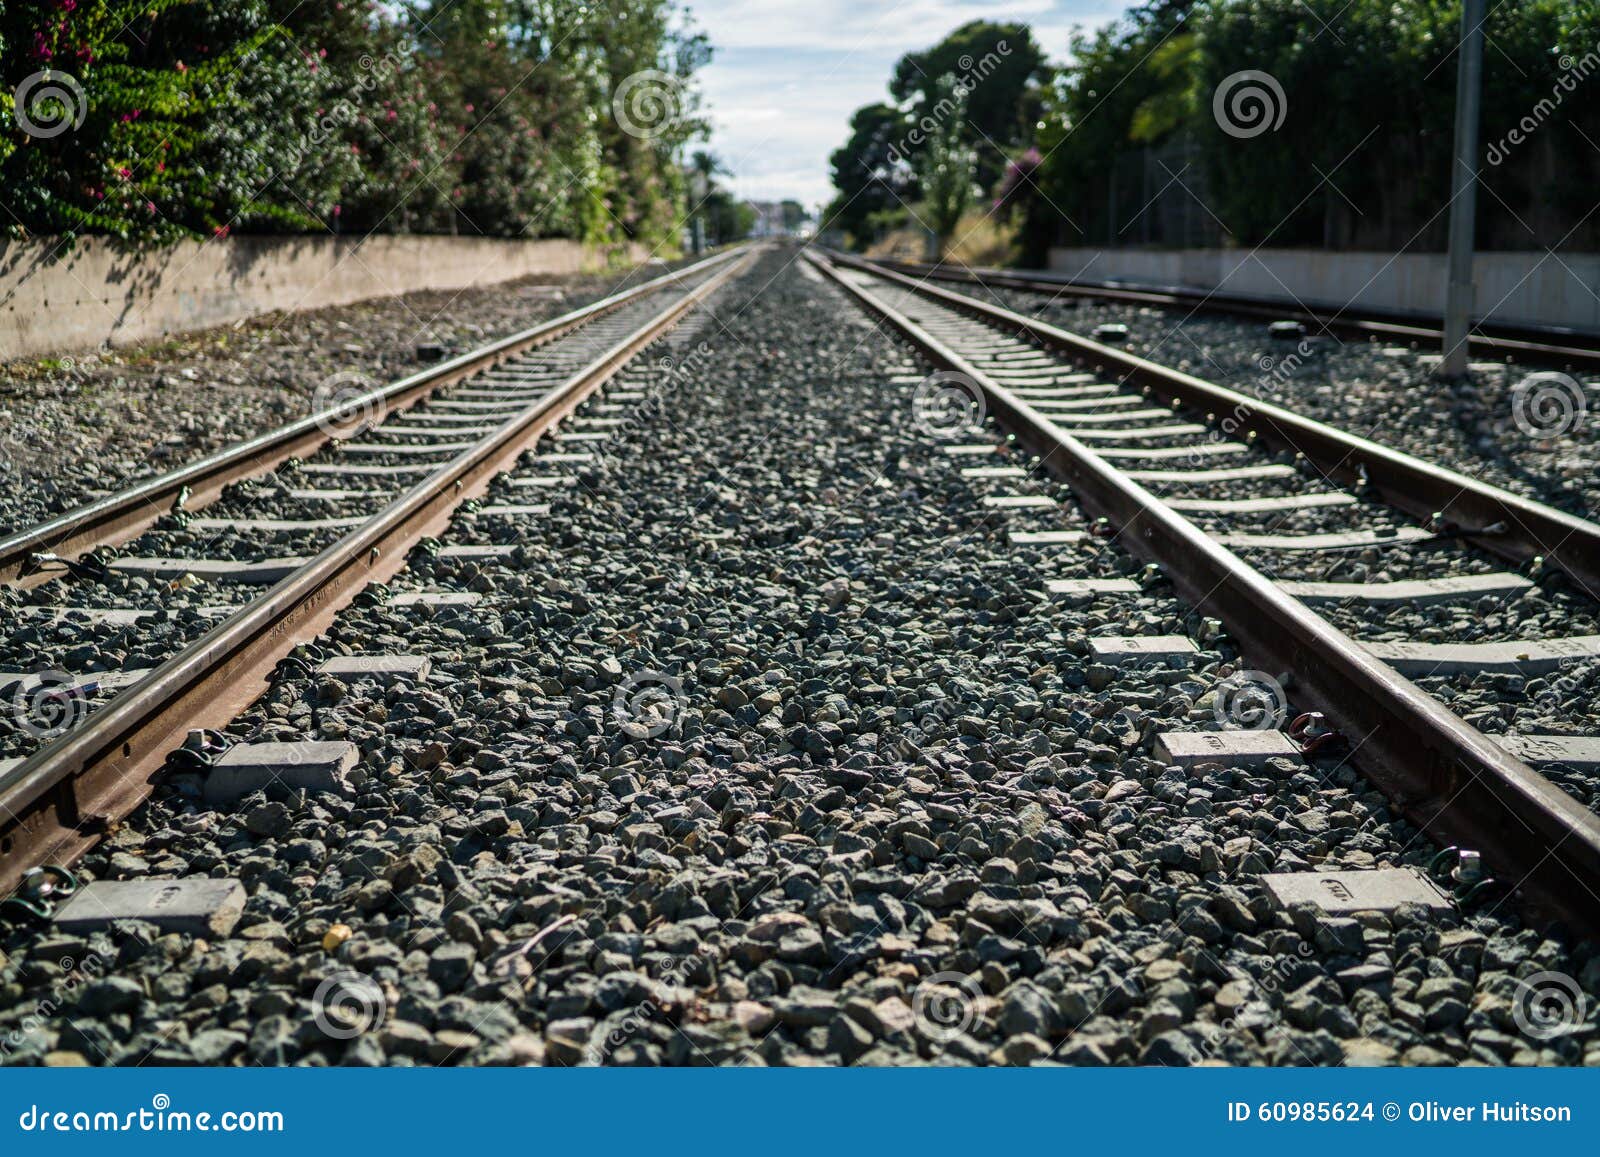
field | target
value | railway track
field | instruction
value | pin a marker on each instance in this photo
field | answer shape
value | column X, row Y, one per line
column 754, row 723
column 1532, row 344
column 1186, row 472
column 164, row 575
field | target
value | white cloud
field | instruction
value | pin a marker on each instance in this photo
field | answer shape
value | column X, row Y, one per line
column 895, row 26
column 787, row 74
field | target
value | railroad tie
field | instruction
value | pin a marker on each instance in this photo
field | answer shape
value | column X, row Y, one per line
column 264, row 572
column 1420, row 592
column 1518, row 658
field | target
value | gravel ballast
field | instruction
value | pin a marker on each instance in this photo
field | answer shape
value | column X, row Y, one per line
column 1500, row 704
column 1384, row 392
column 76, row 427
column 766, row 747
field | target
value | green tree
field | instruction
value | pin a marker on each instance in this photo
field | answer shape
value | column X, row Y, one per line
column 489, row 116
column 1002, row 68
column 947, row 164
column 870, row 171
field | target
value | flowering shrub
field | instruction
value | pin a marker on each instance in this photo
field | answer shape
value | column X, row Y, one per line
column 148, row 120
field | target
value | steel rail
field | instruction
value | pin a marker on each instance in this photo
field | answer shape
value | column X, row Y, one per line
column 1455, row 783
column 1515, row 528
column 1552, row 344
column 120, row 516
column 58, row 802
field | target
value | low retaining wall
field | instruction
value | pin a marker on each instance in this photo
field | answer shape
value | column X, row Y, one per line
column 58, row 301
column 1528, row 288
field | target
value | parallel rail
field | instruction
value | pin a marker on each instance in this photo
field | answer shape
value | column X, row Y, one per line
column 58, row 802
column 1515, row 528
column 123, row 515
column 1455, row 783
column 1551, row 345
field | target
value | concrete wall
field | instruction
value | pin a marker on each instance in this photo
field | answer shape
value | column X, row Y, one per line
column 1538, row 288
column 57, row 301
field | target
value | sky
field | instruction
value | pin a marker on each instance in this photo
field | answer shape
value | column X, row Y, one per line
column 787, row 74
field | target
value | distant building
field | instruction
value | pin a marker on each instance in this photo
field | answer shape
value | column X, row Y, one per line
column 779, row 219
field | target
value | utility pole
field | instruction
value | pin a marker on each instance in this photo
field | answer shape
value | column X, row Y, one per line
column 1463, row 192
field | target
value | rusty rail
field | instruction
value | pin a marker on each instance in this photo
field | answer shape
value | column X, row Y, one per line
column 1526, row 343
column 58, row 802
column 1455, row 783
column 1498, row 521
column 118, row 517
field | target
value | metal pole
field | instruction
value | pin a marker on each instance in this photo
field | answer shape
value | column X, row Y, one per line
column 1463, row 191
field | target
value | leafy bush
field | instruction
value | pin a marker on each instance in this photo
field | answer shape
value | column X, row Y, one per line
column 492, row 117
column 1363, row 154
